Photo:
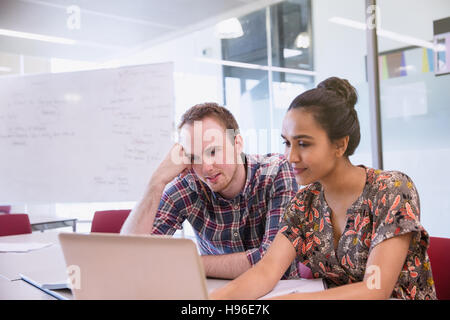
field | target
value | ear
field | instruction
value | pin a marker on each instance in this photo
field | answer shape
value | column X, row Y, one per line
column 341, row 146
column 238, row 146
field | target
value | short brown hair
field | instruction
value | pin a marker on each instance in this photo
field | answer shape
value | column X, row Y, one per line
column 210, row 109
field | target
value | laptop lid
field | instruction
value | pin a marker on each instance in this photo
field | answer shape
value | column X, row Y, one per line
column 113, row 266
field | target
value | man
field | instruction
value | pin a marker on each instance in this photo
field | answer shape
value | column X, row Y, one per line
column 233, row 201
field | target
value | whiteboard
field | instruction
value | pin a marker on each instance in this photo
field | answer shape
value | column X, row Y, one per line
column 84, row 136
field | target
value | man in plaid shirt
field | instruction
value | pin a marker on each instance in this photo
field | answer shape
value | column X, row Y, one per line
column 233, row 201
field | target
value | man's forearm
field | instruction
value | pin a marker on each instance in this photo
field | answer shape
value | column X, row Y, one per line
column 141, row 218
column 226, row 266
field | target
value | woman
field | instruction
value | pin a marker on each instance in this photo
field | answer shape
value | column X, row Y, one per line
column 356, row 227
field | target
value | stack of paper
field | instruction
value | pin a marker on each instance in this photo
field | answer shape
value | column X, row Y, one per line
column 293, row 286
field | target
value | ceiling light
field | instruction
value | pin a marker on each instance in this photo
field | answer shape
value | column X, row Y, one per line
column 35, row 36
column 5, row 69
column 228, row 29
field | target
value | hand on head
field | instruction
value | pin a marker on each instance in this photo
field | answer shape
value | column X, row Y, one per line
column 175, row 163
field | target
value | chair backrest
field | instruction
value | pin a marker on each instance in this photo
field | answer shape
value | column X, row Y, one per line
column 12, row 224
column 5, row 209
column 439, row 254
column 109, row 221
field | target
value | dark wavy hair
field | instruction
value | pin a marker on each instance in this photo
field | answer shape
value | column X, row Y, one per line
column 332, row 104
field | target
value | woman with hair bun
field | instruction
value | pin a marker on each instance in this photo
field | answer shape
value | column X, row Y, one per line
column 355, row 227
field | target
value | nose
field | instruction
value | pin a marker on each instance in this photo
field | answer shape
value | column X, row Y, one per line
column 292, row 155
column 207, row 166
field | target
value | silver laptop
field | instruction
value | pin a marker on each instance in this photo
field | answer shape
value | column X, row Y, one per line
column 113, row 266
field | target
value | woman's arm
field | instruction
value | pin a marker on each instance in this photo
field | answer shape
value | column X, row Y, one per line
column 263, row 276
column 383, row 268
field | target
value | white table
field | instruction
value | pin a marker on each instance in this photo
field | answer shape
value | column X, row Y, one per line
column 47, row 265
column 20, row 290
column 45, row 262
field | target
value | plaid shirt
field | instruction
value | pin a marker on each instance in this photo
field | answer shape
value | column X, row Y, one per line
column 249, row 222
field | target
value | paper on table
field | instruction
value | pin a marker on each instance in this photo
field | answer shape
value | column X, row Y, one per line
column 296, row 285
column 22, row 246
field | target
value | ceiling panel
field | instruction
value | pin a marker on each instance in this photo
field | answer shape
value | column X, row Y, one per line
column 107, row 27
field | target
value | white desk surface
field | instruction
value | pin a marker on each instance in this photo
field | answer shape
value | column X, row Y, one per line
column 20, row 290
column 46, row 264
column 49, row 236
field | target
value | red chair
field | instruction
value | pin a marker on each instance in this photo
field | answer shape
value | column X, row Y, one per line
column 439, row 254
column 11, row 224
column 5, row 209
column 109, row 221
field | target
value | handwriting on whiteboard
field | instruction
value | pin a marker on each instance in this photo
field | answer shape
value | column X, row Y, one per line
column 84, row 136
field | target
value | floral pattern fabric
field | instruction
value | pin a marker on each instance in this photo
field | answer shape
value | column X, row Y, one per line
column 388, row 207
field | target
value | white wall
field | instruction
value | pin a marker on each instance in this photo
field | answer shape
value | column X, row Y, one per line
column 195, row 81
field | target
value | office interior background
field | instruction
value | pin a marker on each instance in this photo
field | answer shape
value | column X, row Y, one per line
column 254, row 57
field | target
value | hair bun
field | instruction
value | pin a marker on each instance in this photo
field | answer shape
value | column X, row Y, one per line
column 342, row 88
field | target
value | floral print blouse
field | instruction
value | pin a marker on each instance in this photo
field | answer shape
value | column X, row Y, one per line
column 388, row 207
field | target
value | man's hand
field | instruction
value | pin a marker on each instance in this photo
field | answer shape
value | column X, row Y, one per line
column 175, row 163
column 141, row 218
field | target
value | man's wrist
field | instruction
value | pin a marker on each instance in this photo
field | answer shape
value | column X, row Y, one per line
column 156, row 186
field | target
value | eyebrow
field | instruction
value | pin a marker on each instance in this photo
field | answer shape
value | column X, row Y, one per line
column 300, row 136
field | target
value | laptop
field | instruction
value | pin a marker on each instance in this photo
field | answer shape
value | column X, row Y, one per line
column 113, row 266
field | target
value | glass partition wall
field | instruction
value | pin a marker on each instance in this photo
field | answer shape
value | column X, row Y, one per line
column 415, row 98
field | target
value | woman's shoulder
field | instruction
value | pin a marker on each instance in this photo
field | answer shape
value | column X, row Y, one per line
column 391, row 190
column 389, row 179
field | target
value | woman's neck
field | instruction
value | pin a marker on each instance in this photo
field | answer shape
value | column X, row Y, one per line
column 345, row 179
